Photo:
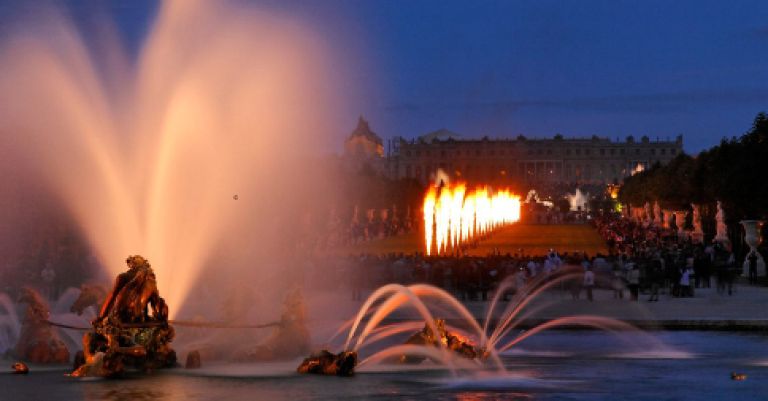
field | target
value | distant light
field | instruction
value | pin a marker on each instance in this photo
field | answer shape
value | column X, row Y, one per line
column 235, row 197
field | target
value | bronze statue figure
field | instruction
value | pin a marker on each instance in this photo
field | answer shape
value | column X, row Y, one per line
column 125, row 334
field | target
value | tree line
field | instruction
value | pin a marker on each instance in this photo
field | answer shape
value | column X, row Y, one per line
column 733, row 172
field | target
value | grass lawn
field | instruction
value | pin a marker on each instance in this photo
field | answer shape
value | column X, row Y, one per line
column 537, row 239
column 534, row 239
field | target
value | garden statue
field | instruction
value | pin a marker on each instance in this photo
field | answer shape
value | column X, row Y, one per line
column 679, row 217
column 722, row 228
column 648, row 217
column 698, row 233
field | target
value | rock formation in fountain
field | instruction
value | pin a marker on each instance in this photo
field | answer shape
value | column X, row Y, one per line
column 327, row 363
column 20, row 368
column 124, row 333
column 722, row 229
column 289, row 340
column 194, row 361
column 454, row 342
column 38, row 342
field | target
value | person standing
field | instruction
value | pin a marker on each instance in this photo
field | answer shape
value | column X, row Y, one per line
column 752, row 259
column 589, row 283
column 617, row 282
column 633, row 280
column 685, row 282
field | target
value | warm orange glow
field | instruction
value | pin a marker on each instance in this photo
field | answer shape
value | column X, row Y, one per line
column 453, row 215
column 613, row 191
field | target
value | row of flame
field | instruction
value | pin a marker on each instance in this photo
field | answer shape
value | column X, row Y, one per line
column 453, row 215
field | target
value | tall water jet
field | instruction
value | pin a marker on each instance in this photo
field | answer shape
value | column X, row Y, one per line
column 578, row 200
column 146, row 154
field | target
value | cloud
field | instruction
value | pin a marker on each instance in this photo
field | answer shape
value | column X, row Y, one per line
column 671, row 102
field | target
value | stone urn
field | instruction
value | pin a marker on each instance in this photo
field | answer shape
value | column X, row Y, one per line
column 752, row 238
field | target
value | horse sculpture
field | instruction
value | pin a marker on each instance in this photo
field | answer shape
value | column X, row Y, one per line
column 38, row 342
column 124, row 333
column 90, row 295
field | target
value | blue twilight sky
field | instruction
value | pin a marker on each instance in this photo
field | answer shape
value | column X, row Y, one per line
column 502, row 68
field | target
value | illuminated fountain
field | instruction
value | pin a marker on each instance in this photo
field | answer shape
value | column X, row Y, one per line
column 454, row 216
column 578, row 200
column 145, row 152
column 370, row 327
column 10, row 325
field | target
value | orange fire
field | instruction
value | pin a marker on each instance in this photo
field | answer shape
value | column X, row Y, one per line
column 453, row 215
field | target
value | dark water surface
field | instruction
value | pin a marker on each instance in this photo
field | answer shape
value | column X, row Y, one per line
column 562, row 365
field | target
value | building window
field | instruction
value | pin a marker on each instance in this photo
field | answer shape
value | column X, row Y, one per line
column 663, row 151
column 672, row 152
column 602, row 152
column 653, row 152
column 621, row 151
column 613, row 152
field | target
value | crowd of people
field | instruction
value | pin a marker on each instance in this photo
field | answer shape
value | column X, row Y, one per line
column 640, row 260
column 665, row 261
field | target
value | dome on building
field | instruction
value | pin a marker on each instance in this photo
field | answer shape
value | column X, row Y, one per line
column 364, row 130
column 363, row 143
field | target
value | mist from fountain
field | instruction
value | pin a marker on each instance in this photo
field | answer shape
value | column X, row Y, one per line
column 147, row 153
column 10, row 325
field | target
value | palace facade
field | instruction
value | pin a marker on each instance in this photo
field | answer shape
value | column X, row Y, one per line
column 556, row 160
column 507, row 161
